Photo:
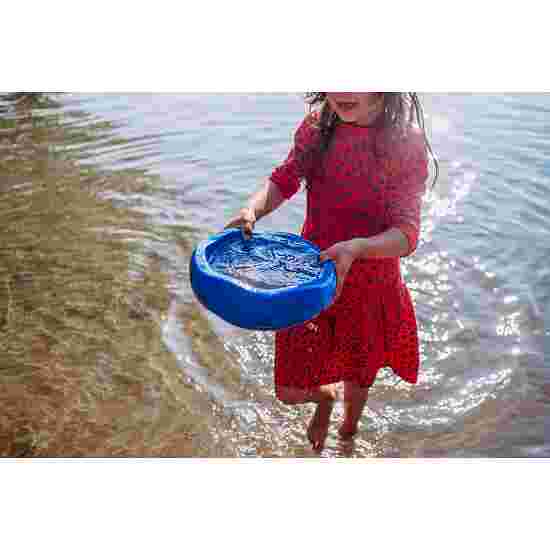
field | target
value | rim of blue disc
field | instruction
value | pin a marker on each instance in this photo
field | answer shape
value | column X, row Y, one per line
column 326, row 274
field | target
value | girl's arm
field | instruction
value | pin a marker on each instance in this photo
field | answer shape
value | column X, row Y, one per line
column 267, row 199
column 404, row 197
column 392, row 243
column 283, row 183
column 389, row 244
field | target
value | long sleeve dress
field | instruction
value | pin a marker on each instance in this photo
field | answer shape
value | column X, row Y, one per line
column 363, row 185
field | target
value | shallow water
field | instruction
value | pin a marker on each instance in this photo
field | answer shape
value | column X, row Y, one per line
column 480, row 277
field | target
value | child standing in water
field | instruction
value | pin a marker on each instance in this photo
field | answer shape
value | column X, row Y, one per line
column 365, row 166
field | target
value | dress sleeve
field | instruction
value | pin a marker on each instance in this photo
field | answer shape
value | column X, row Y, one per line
column 297, row 165
column 407, row 187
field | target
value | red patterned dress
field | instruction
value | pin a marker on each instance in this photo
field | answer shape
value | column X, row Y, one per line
column 363, row 185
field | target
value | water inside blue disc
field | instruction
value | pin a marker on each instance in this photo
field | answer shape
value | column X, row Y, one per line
column 263, row 263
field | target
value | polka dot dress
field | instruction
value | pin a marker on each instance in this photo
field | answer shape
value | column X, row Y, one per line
column 363, row 185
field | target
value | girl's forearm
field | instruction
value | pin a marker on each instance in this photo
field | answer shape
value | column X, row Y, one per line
column 389, row 244
column 266, row 200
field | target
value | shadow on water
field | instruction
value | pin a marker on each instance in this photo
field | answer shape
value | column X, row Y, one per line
column 83, row 370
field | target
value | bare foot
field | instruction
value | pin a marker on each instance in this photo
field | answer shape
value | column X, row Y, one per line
column 346, row 446
column 317, row 431
column 347, row 432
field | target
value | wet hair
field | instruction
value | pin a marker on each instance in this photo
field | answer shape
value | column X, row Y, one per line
column 400, row 112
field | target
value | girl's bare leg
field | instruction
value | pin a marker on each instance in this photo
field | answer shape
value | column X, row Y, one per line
column 317, row 431
column 324, row 396
column 355, row 398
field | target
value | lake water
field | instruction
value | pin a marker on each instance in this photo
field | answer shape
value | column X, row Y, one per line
column 480, row 278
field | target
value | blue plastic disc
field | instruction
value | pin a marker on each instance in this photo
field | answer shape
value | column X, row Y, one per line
column 268, row 282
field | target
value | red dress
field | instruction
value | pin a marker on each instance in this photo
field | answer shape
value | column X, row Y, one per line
column 363, row 185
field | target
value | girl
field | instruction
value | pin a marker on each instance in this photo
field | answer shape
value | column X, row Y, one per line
column 365, row 166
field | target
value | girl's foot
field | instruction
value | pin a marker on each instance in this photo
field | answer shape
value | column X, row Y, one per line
column 347, row 432
column 317, row 431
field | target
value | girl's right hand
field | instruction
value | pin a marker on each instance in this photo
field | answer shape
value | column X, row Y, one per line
column 245, row 220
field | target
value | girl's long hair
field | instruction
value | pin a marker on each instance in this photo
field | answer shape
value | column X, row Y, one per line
column 400, row 112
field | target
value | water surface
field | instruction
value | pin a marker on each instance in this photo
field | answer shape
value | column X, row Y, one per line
column 266, row 261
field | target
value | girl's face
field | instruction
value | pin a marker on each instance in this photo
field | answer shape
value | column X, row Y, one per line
column 356, row 107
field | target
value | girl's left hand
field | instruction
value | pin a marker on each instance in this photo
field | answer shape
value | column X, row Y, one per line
column 343, row 255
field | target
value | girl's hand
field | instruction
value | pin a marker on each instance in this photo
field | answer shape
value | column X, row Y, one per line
column 245, row 219
column 343, row 255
